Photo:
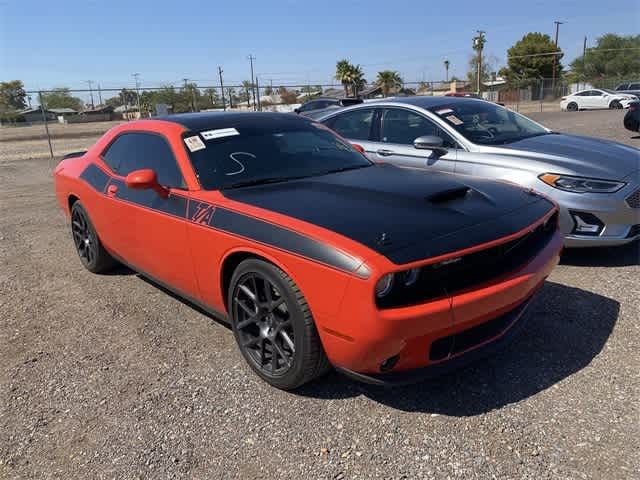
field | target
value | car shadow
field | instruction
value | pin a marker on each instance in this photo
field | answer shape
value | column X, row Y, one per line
column 566, row 328
column 622, row 256
column 185, row 301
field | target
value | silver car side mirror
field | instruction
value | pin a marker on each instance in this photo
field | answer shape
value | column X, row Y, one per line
column 430, row 142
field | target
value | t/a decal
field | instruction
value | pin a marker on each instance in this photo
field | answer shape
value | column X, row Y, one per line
column 202, row 214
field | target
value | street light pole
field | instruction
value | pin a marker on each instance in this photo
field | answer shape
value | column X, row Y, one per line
column 253, row 90
column 555, row 59
column 136, row 75
column 89, row 82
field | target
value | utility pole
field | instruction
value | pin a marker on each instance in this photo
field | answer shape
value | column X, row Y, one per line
column 253, row 90
column 555, row 59
column 136, row 75
column 446, row 69
column 224, row 107
column 99, row 95
column 478, row 45
column 90, row 82
column 584, row 57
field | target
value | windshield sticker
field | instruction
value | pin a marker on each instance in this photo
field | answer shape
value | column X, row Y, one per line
column 455, row 120
column 444, row 111
column 219, row 133
column 233, row 156
column 194, row 143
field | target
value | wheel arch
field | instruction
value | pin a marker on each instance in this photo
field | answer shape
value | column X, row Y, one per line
column 234, row 257
column 71, row 199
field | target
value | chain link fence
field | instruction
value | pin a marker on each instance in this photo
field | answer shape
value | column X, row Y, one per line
column 62, row 121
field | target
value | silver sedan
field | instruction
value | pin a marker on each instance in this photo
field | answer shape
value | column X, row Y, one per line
column 596, row 182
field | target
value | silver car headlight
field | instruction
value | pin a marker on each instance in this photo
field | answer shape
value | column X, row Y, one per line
column 573, row 184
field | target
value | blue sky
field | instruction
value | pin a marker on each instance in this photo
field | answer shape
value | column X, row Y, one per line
column 66, row 42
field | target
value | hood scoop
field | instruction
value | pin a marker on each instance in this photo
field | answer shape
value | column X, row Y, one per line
column 448, row 195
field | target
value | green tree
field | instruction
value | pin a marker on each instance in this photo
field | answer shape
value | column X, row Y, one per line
column 613, row 56
column 12, row 99
column 351, row 76
column 472, row 74
column 246, row 92
column 210, row 97
column 529, row 59
column 388, row 80
column 61, row 98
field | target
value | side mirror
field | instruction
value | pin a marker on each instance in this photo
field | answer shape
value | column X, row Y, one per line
column 430, row 142
column 146, row 179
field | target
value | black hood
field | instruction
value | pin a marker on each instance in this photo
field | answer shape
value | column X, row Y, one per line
column 404, row 214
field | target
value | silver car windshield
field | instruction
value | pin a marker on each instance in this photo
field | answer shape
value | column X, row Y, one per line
column 487, row 123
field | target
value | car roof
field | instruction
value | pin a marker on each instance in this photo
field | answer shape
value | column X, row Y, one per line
column 212, row 120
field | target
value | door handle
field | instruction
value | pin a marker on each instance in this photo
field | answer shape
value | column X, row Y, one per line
column 384, row 152
column 112, row 190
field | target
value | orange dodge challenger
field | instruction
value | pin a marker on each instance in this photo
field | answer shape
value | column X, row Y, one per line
column 316, row 256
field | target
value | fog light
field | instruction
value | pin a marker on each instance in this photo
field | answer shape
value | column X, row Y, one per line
column 586, row 224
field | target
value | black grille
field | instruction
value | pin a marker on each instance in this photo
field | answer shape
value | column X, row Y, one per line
column 466, row 339
column 633, row 231
column 439, row 280
column 633, row 200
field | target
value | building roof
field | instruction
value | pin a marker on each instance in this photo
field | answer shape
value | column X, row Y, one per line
column 61, row 110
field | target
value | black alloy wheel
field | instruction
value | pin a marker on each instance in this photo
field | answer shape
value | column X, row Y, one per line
column 90, row 250
column 615, row 105
column 572, row 107
column 273, row 325
column 264, row 324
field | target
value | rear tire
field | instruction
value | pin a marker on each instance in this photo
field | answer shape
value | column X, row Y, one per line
column 273, row 326
column 572, row 107
column 615, row 105
column 90, row 250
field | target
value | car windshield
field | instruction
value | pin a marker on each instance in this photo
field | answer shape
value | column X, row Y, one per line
column 608, row 91
column 238, row 157
column 487, row 123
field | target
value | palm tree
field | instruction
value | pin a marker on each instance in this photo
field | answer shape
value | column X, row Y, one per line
column 446, row 69
column 343, row 70
column 247, row 86
column 387, row 80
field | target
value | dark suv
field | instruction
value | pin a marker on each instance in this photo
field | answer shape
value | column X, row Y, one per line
column 319, row 106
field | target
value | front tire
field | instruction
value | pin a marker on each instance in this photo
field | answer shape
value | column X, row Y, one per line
column 90, row 250
column 615, row 105
column 572, row 107
column 273, row 326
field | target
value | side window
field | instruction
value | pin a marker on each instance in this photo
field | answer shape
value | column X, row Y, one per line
column 582, row 94
column 134, row 151
column 308, row 106
column 354, row 125
column 596, row 93
column 634, row 86
column 403, row 127
column 622, row 86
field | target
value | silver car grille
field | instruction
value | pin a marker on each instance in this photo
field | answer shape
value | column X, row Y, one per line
column 633, row 200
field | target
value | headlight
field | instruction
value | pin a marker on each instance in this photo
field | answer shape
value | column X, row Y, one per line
column 410, row 277
column 384, row 285
column 569, row 183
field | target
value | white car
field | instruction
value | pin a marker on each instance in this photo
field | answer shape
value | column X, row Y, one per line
column 596, row 98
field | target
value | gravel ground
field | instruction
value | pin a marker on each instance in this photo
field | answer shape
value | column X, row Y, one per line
column 111, row 377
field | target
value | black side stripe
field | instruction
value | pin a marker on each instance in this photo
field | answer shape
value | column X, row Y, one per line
column 282, row 238
column 225, row 220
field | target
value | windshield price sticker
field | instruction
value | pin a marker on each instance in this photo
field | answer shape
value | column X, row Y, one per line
column 455, row 120
column 444, row 111
column 194, row 143
column 219, row 133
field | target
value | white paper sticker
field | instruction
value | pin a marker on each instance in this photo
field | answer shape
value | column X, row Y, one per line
column 219, row 133
column 455, row 120
column 194, row 143
column 443, row 111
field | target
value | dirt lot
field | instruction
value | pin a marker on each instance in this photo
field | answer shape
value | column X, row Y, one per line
column 111, row 377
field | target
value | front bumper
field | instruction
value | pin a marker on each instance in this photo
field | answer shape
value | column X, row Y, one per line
column 422, row 337
column 514, row 320
column 618, row 215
